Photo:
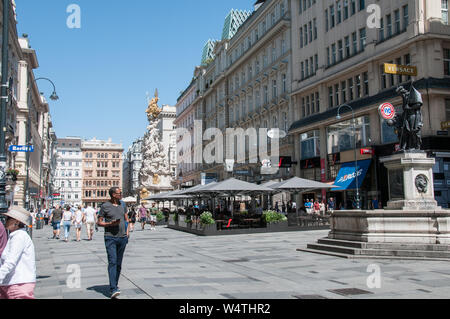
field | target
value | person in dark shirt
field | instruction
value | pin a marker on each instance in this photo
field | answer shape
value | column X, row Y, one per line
column 112, row 217
column 55, row 220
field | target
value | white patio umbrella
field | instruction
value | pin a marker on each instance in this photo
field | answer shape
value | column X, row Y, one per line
column 130, row 200
column 298, row 185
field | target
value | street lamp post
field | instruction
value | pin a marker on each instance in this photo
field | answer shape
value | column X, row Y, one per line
column 338, row 117
column 4, row 101
column 53, row 97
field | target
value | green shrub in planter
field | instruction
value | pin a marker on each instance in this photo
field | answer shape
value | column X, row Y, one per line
column 175, row 217
column 207, row 219
column 160, row 216
column 271, row 217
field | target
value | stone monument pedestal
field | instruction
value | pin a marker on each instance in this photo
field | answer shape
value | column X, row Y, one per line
column 410, row 181
column 411, row 226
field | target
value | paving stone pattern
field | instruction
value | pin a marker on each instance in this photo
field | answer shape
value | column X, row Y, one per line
column 167, row 264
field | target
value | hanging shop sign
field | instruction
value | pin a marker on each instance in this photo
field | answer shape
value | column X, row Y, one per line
column 400, row 69
column 387, row 111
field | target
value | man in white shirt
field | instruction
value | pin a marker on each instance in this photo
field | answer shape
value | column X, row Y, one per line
column 90, row 216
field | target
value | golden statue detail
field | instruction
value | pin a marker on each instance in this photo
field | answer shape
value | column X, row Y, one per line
column 156, row 179
column 144, row 194
column 153, row 109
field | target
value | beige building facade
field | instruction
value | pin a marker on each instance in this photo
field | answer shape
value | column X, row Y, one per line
column 102, row 165
column 338, row 59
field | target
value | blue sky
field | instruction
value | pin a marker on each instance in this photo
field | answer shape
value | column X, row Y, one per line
column 123, row 49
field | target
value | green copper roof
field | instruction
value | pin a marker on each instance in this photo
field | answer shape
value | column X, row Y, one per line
column 233, row 21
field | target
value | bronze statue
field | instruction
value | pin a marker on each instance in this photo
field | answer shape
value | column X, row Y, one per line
column 409, row 124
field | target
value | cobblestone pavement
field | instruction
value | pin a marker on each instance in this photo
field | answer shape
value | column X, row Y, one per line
column 166, row 264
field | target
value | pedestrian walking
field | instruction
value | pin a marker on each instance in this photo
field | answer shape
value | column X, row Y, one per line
column 18, row 262
column 113, row 217
column 67, row 223
column 143, row 216
column 77, row 219
column 132, row 218
column 55, row 220
column 90, row 218
column 153, row 213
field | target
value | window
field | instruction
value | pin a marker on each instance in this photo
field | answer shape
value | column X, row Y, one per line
column 397, row 21
column 308, row 107
column 347, row 47
column 366, row 83
column 355, row 43
column 333, row 53
column 313, row 104
column 350, row 89
column 310, row 32
column 336, row 94
column 447, row 62
column 333, row 21
column 345, row 10
column 405, row 17
column 444, row 11
column 339, row 12
column 344, row 91
column 381, row 31
column 328, row 56
column 389, row 25
column 316, row 62
column 362, row 39
column 317, row 102
column 283, row 79
column 340, row 50
column 305, row 34
column 362, row 5
column 303, row 107
column 358, row 86
column 353, row 7
column 315, row 28
column 302, row 70
column 341, row 137
column 330, row 97
column 327, row 23
column 383, row 78
column 310, row 145
column 306, row 68
column 301, row 37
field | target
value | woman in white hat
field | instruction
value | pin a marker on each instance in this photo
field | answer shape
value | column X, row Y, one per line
column 18, row 263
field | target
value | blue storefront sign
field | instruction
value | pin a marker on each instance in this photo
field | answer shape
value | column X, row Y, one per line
column 21, row 148
column 346, row 178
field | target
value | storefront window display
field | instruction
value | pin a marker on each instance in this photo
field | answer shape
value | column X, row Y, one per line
column 341, row 136
column 310, row 144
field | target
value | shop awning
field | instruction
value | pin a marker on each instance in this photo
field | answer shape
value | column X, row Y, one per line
column 346, row 178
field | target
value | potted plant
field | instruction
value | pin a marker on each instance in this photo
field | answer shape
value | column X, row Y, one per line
column 13, row 173
column 274, row 220
column 207, row 222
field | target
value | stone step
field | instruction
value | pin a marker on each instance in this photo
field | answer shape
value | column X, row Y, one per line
column 342, row 243
column 405, row 253
column 374, row 257
column 390, row 246
column 334, row 248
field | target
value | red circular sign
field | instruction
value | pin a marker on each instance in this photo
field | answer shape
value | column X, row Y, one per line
column 387, row 111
